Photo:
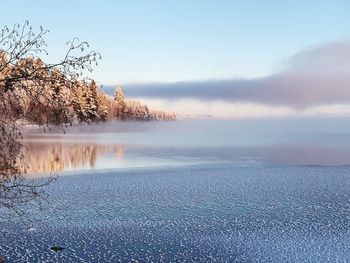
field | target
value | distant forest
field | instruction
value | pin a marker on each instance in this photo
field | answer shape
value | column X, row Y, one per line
column 81, row 101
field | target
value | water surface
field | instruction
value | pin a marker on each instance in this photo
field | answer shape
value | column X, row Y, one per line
column 191, row 142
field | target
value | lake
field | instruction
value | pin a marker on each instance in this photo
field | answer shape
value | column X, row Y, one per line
column 154, row 144
column 191, row 190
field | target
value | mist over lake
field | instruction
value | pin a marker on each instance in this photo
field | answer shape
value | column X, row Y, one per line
column 303, row 141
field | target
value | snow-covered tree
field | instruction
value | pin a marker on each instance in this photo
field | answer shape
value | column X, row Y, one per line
column 33, row 90
column 122, row 109
column 120, row 106
column 90, row 104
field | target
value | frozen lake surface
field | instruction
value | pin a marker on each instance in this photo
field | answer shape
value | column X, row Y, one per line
column 222, row 214
column 164, row 193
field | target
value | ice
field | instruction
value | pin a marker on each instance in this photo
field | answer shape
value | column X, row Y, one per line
column 217, row 214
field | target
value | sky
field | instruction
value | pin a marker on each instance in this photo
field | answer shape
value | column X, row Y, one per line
column 224, row 58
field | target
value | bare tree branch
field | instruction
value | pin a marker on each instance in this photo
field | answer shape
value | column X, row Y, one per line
column 31, row 89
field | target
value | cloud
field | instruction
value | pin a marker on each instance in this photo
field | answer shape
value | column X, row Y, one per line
column 237, row 110
column 319, row 75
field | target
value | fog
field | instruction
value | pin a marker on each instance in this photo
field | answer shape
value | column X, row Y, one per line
column 298, row 141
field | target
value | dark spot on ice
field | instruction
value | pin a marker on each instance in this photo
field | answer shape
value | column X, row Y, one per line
column 56, row 249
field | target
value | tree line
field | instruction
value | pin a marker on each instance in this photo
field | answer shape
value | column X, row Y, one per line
column 54, row 100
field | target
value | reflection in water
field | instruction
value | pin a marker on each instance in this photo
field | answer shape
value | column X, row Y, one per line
column 251, row 143
column 43, row 157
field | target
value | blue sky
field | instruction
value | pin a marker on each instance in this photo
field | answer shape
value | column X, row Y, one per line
column 167, row 41
column 239, row 59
